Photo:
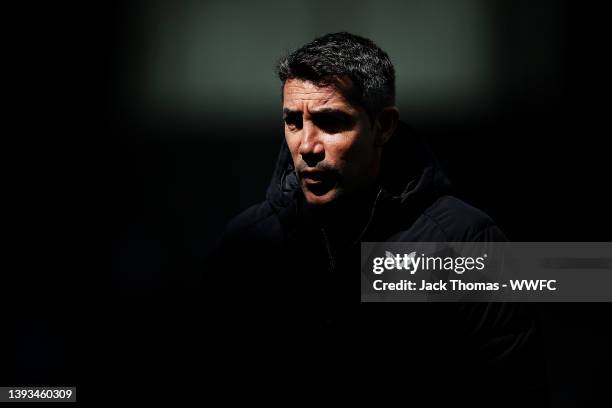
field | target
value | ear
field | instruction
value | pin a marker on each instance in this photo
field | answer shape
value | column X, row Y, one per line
column 386, row 124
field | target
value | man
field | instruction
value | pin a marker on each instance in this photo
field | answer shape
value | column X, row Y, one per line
column 349, row 171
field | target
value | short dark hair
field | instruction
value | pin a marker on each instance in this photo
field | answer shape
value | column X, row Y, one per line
column 343, row 54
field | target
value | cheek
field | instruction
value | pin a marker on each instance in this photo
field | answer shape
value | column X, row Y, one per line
column 337, row 150
column 353, row 153
column 292, row 144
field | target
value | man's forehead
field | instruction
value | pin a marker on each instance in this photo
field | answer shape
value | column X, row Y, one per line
column 297, row 91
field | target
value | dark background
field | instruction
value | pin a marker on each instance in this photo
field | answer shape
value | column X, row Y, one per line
column 159, row 121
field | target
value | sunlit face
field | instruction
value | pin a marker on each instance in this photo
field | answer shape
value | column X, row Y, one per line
column 331, row 140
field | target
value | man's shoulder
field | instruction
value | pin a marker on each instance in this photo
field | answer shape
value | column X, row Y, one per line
column 451, row 219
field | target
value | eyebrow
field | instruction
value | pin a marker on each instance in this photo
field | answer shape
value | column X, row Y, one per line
column 323, row 111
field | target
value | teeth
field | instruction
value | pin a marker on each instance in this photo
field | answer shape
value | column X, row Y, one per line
column 315, row 177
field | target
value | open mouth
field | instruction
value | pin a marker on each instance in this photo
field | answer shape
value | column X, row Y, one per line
column 318, row 182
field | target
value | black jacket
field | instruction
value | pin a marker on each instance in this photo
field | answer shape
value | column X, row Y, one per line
column 413, row 202
column 279, row 272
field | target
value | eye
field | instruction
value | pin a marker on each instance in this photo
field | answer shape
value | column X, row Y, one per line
column 293, row 121
column 333, row 123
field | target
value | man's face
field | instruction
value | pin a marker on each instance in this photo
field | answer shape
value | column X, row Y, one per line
column 331, row 140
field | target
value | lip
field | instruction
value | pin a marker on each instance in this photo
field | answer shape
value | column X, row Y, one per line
column 312, row 182
column 313, row 177
column 317, row 182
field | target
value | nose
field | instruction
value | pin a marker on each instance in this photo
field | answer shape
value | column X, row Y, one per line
column 311, row 146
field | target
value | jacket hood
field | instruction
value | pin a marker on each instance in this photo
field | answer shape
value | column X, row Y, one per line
column 408, row 170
